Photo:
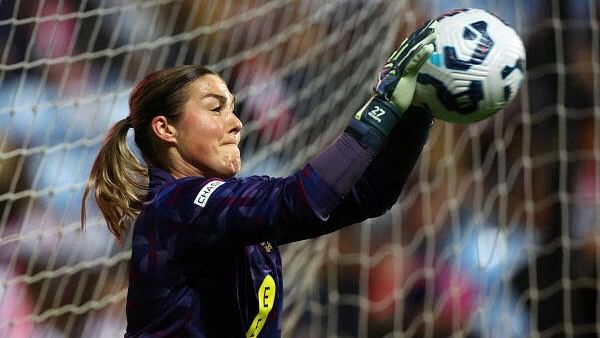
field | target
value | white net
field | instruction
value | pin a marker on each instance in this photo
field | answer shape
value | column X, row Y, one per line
column 495, row 234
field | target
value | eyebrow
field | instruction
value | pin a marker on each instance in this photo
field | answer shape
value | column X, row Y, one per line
column 221, row 98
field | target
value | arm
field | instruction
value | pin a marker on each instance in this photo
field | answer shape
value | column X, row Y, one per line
column 379, row 187
column 283, row 208
column 302, row 206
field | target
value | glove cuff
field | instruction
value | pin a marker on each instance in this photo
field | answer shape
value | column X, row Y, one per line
column 373, row 123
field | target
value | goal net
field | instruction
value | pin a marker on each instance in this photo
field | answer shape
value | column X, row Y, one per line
column 495, row 234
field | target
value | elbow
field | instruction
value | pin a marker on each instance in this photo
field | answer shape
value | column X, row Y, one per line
column 379, row 206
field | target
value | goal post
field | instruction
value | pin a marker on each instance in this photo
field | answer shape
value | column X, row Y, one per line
column 496, row 231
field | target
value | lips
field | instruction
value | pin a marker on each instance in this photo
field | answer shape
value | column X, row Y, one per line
column 229, row 142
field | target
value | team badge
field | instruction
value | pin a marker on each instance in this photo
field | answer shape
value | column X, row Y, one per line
column 267, row 246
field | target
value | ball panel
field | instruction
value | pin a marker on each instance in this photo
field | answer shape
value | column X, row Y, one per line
column 477, row 69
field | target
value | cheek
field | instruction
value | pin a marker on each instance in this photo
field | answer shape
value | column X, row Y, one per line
column 209, row 143
column 206, row 145
column 204, row 133
column 199, row 140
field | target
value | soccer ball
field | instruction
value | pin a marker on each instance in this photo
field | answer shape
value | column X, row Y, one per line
column 476, row 69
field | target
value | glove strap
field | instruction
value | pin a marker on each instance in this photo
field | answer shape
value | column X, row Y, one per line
column 374, row 121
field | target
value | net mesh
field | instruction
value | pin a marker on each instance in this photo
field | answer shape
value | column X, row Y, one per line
column 495, row 234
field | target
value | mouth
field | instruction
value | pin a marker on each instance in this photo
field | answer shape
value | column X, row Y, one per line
column 230, row 142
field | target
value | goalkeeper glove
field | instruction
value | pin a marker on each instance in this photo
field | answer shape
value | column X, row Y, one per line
column 395, row 88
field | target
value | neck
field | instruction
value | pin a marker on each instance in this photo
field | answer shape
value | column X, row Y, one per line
column 180, row 168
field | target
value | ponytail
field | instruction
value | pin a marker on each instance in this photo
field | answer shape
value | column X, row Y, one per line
column 118, row 181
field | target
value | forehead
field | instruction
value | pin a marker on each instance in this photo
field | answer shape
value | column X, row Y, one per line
column 209, row 85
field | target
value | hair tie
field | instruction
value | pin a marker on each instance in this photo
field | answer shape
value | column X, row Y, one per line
column 128, row 123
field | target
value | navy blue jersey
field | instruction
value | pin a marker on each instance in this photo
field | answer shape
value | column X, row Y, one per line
column 205, row 259
column 205, row 253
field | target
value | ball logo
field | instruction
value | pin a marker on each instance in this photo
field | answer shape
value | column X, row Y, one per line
column 465, row 102
column 484, row 45
column 204, row 193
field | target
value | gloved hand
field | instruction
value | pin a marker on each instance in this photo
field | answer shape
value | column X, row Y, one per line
column 395, row 88
column 398, row 78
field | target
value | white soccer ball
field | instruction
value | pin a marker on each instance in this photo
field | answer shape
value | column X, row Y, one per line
column 476, row 69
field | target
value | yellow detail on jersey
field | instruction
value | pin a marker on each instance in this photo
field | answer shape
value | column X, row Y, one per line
column 266, row 300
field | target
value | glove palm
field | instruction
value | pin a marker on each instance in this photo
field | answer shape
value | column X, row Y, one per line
column 395, row 88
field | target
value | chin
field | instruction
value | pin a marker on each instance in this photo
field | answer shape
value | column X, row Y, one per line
column 231, row 172
column 229, row 167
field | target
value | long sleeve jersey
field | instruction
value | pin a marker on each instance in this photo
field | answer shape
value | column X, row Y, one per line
column 206, row 260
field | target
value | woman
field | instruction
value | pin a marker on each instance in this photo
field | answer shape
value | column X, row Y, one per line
column 205, row 243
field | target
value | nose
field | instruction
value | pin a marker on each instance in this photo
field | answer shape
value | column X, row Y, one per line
column 235, row 124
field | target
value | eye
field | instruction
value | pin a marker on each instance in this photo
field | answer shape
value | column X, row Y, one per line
column 216, row 109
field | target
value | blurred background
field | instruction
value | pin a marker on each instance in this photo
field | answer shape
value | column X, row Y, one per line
column 495, row 235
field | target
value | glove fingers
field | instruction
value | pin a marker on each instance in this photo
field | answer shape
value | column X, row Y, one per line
column 420, row 57
column 407, row 59
column 417, row 57
column 424, row 35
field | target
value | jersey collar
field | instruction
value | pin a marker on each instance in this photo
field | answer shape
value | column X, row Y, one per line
column 158, row 176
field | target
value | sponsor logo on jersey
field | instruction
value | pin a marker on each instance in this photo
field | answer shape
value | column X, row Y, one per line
column 266, row 301
column 207, row 190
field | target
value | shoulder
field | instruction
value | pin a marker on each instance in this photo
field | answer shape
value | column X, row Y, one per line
column 194, row 193
column 186, row 191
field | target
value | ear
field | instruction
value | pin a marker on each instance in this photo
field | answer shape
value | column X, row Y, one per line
column 164, row 130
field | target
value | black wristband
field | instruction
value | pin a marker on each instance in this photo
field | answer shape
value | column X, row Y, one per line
column 374, row 121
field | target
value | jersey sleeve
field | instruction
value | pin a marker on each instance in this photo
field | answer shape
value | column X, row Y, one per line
column 379, row 188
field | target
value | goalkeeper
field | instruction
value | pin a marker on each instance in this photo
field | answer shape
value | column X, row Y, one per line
column 205, row 259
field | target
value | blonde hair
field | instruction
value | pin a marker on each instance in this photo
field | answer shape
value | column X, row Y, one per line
column 118, row 179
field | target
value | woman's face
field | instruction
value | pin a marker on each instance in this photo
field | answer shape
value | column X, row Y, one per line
column 208, row 133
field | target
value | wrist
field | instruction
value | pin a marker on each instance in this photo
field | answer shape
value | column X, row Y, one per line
column 373, row 123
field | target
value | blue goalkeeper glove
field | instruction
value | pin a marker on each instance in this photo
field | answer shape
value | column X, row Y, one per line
column 395, row 88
